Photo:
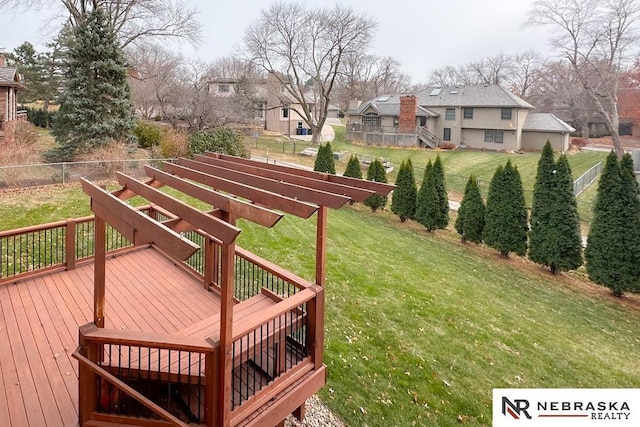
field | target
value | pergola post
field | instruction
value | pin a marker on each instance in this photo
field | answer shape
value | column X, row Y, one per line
column 99, row 271
column 321, row 246
column 225, row 367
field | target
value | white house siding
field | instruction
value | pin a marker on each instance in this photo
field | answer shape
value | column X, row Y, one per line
column 535, row 141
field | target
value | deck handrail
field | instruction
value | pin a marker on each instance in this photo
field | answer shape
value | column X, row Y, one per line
column 120, row 385
column 278, row 309
column 148, row 339
column 274, row 269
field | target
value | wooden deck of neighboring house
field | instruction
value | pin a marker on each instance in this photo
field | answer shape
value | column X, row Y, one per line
column 153, row 316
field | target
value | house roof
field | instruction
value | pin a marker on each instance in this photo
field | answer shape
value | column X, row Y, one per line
column 545, row 122
column 470, row 96
column 463, row 96
column 9, row 77
column 389, row 105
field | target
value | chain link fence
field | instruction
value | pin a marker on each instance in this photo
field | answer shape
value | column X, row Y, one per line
column 586, row 179
column 62, row 173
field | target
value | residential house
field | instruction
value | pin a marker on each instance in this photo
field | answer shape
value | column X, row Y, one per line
column 480, row 117
column 10, row 84
column 280, row 111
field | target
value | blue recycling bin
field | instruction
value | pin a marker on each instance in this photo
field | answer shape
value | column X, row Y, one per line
column 304, row 131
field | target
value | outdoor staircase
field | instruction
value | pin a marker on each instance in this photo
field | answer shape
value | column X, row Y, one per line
column 427, row 137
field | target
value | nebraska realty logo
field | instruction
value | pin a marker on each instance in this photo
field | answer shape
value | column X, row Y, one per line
column 566, row 407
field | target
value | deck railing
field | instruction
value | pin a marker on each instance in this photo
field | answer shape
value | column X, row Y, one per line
column 270, row 351
column 142, row 375
column 54, row 246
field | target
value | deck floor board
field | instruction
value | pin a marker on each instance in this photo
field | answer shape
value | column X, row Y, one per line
column 39, row 320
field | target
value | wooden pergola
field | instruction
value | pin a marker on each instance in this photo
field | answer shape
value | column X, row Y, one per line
column 275, row 322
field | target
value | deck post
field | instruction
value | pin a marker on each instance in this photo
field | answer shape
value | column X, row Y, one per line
column 99, row 271
column 87, row 379
column 211, row 362
column 70, row 244
column 210, row 258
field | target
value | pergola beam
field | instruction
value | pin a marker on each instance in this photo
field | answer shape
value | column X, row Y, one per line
column 135, row 225
column 264, row 198
column 299, row 192
column 378, row 187
column 239, row 208
column 225, row 232
column 318, row 182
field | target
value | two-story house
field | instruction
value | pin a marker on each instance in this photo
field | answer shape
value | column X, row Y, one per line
column 481, row 117
column 279, row 110
column 10, row 83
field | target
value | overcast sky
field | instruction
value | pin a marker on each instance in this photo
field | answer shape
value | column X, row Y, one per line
column 421, row 34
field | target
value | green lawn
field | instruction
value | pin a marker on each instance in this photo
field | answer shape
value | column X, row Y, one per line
column 458, row 164
column 420, row 327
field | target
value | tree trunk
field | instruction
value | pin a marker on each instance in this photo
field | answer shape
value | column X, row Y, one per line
column 45, row 105
column 585, row 132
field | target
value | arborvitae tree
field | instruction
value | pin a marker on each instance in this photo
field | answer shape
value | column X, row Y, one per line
column 613, row 245
column 421, row 201
column 353, row 169
column 403, row 200
column 544, row 195
column 442, row 201
column 376, row 173
column 626, row 163
column 564, row 243
column 324, row 160
column 95, row 107
column 506, row 213
column 470, row 221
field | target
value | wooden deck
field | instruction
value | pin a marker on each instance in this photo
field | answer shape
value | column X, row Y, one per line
column 39, row 321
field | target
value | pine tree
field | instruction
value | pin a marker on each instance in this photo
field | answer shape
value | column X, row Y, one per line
column 422, row 211
column 95, row 108
column 613, row 245
column 376, row 173
column 324, row 160
column 470, row 221
column 442, row 200
column 544, row 194
column 564, row 243
column 353, row 169
column 506, row 213
column 403, row 200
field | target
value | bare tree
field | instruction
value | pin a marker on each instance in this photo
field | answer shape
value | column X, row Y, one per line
column 133, row 20
column 298, row 44
column 368, row 76
column 526, row 70
column 155, row 80
column 559, row 90
column 595, row 37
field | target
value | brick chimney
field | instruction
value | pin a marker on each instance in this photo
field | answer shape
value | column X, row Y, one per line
column 2, row 60
column 407, row 118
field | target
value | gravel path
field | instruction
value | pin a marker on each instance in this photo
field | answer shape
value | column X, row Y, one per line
column 318, row 415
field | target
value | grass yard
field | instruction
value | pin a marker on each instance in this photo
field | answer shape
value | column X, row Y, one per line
column 420, row 327
column 458, row 164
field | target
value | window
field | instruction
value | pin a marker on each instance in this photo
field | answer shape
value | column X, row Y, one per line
column 506, row 114
column 450, row 114
column 468, row 113
column 494, row 136
column 285, row 113
column 223, row 88
column 371, row 119
column 446, row 135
